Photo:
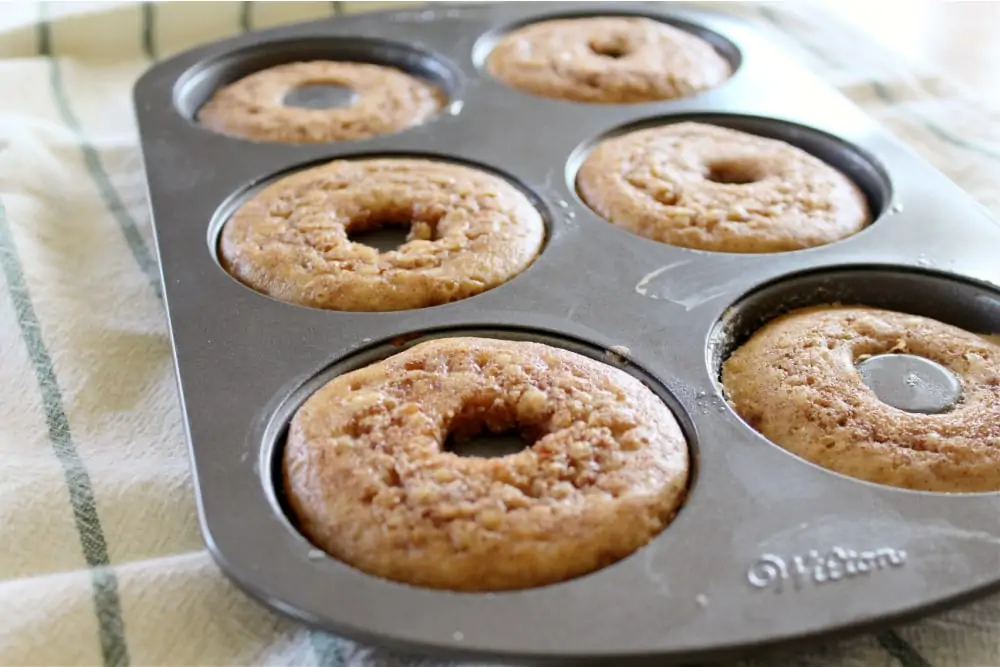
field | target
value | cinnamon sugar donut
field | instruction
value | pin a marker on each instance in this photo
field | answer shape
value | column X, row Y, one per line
column 469, row 232
column 387, row 100
column 796, row 383
column 608, row 59
column 369, row 482
column 712, row 188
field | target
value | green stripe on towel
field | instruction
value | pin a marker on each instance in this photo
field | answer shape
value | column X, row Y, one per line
column 895, row 646
column 81, row 491
column 113, row 202
column 149, row 30
column 246, row 16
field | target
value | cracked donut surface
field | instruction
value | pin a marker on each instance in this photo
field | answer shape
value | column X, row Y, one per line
column 612, row 59
column 387, row 100
column 796, row 383
column 707, row 187
column 369, row 481
column 469, row 231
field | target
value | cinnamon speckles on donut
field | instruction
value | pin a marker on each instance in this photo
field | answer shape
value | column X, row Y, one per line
column 469, row 231
column 387, row 100
column 614, row 59
column 795, row 381
column 712, row 188
column 369, row 481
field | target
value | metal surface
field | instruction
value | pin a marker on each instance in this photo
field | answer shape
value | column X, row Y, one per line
column 320, row 96
column 488, row 445
column 383, row 239
column 911, row 383
column 768, row 549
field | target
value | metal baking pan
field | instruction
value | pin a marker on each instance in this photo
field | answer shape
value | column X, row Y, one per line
column 768, row 549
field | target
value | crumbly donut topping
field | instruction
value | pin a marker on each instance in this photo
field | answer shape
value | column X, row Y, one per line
column 371, row 483
column 469, row 232
column 795, row 382
column 712, row 188
column 387, row 100
column 612, row 59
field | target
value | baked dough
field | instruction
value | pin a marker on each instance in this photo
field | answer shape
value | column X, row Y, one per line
column 796, row 383
column 614, row 59
column 368, row 481
column 470, row 231
column 387, row 101
column 712, row 188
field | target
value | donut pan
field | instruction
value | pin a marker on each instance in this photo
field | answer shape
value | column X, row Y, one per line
column 768, row 549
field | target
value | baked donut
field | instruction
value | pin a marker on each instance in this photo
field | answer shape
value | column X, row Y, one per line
column 614, row 59
column 369, row 481
column 387, row 100
column 712, row 188
column 469, row 232
column 796, row 383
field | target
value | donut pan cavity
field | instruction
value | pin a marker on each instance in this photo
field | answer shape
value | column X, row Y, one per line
column 768, row 549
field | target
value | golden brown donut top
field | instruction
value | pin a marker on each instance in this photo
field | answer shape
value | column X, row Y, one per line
column 370, row 482
column 712, row 188
column 387, row 101
column 607, row 59
column 469, row 232
column 796, row 383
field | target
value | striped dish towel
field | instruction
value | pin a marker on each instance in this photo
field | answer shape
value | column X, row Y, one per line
column 101, row 560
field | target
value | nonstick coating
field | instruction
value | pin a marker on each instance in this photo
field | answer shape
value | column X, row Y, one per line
column 768, row 549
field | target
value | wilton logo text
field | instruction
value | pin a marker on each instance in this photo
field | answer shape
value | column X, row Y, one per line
column 839, row 564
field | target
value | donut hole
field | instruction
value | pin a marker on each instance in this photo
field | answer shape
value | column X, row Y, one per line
column 910, row 382
column 735, row 171
column 319, row 96
column 488, row 445
column 613, row 47
column 389, row 230
column 489, row 430
column 384, row 238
